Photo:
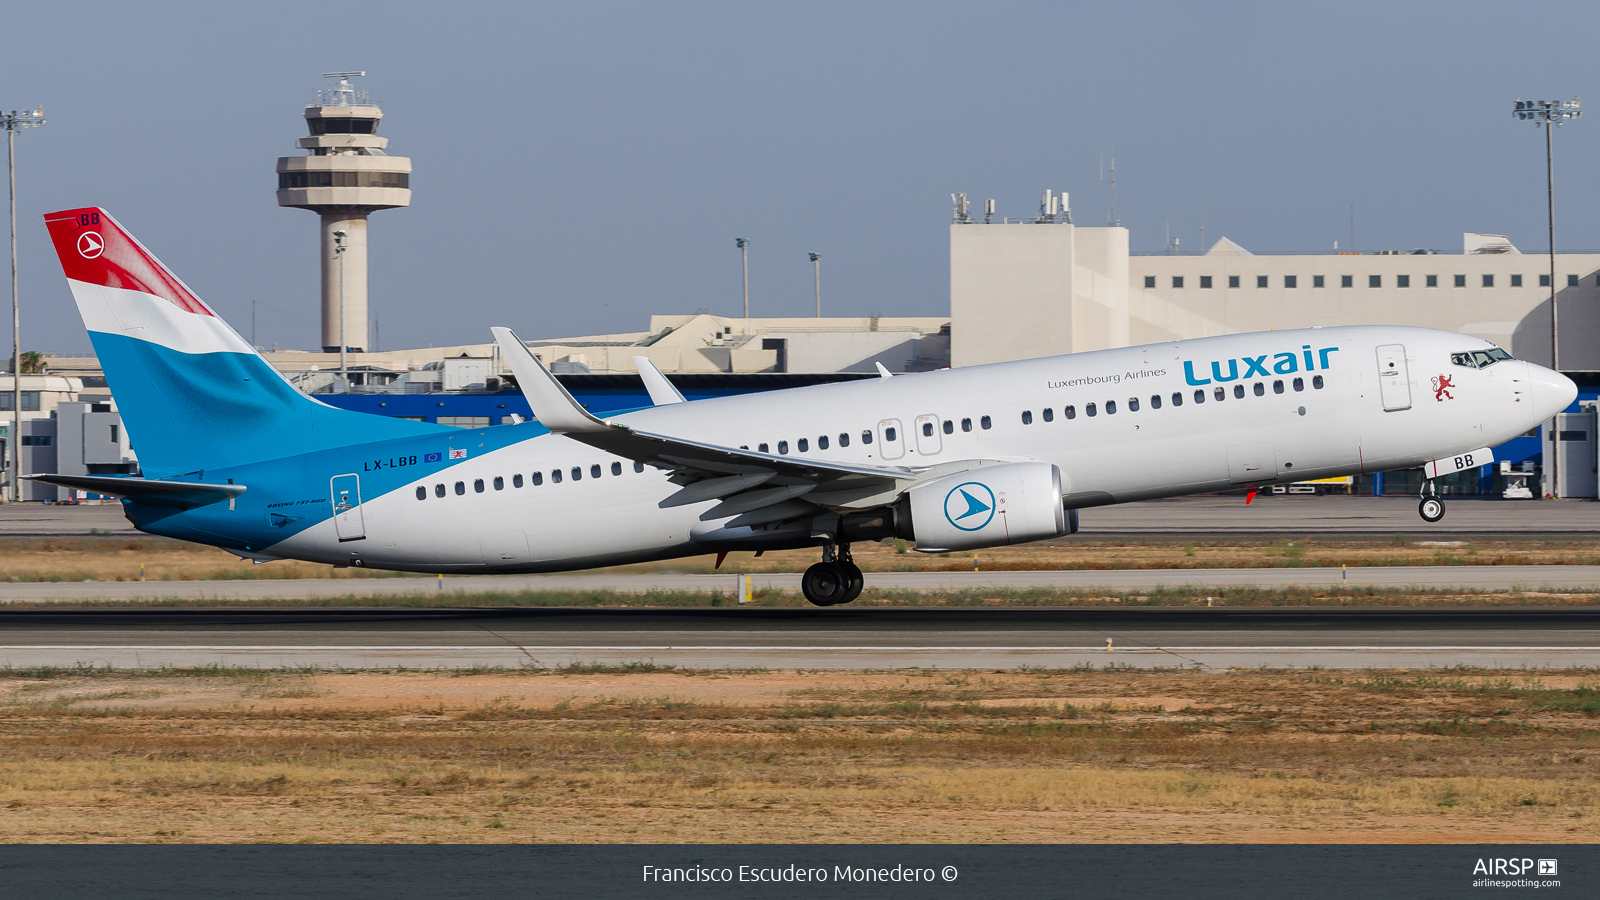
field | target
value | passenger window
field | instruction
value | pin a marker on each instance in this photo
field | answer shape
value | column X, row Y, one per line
column 1299, row 384
column 1261, row 389
column 438, row 490
column 538, row 479
column 1277, row 386
column 1200, row 396
column 1316, row 382
column 803, row 445
column 616, row 468
column 1048, row 413
column 516, row 480
column 822, row 442
column 1111, row 407
column 890, row 434
column 985, row 423
column 1133, row 404
column 949, row 427
column 638, row 467
column 1177, row 399
column 1238, row 392
column 594, row 471
column 844, row 439
column 783, row 446
column 866, row 437
column 477, row 485
column 461, row 488
column 1220, row 394
column 927, row 429
column 499, row 483
column 1071, row 411
column 555, row 476
column 1089, row 410
column 422, row 493
column 1155, row 401
column 761, row 448
column 1027, row 417
column 966, row 424
column 577, row 473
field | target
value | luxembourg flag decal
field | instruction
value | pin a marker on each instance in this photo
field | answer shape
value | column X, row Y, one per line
column 458, row 454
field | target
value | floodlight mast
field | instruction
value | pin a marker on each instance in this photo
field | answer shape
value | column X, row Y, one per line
column 13, row 122
column 816, row 267
column 1550, row 114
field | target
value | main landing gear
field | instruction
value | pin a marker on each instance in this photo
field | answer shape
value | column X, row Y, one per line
column 835, row 580
column 1431, row 508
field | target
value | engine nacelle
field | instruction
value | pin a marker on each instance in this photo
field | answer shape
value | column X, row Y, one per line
column 1010, row 503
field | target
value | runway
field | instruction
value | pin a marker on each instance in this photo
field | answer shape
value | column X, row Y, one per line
column 1483, row 578
column 805, row 638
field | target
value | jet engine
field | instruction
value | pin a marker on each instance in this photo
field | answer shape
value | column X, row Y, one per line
column 1010, row 503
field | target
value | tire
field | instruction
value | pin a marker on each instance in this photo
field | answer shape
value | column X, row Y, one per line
column 854, row 581
column 825, row 584
column 1431, row 509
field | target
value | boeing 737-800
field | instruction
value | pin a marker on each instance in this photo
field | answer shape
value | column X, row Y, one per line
column 235, row 456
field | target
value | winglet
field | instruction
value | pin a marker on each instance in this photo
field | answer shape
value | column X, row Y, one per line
column 552, row 405
column 882, row 372
column 661, row 390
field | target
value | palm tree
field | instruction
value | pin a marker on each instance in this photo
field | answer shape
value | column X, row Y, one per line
column 33, row 362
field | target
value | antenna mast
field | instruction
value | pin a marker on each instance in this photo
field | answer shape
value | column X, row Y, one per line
column 1111, row 212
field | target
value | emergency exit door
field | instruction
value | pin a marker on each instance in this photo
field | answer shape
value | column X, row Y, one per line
column 347, row 521
column 1394, row 378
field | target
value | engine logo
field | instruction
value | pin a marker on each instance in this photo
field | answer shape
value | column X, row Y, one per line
column 969, row 506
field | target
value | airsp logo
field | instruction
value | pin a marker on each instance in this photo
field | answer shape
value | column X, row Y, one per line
column 90, row 244
column 969, row 506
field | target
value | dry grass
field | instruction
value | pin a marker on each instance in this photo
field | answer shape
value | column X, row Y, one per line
column 591, row 755
column 120, row 559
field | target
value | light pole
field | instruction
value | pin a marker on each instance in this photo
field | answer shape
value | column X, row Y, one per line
column 744, row 253
column 344, row 345
column 13, row 122
column 1549, row 114
column 816, row 267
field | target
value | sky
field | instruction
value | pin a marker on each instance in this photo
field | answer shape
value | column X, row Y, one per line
column 580, row 166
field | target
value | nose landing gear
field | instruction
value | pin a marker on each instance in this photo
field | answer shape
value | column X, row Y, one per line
column 1431, row 508
column 834, row 581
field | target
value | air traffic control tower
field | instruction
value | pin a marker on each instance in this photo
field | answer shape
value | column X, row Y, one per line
column 345, row 178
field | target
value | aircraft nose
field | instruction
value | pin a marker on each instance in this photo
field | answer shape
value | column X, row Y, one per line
column 1551, row 391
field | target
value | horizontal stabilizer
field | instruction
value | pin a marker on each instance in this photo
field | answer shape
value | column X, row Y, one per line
column 182, row 494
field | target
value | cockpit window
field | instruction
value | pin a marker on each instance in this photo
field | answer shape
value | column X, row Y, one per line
column 1480, row 359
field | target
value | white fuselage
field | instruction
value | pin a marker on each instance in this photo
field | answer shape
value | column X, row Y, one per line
column 1142, row 450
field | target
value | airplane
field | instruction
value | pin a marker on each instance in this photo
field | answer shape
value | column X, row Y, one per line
column 236, row 457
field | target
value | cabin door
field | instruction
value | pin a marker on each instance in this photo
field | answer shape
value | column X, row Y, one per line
column 1394, row 378
column 347, row 521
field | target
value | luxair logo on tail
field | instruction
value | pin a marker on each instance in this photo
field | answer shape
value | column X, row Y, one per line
column 1257, row 366
column 969, row 506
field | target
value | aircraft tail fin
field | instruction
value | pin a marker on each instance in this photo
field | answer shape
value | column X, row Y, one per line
column 193, row 394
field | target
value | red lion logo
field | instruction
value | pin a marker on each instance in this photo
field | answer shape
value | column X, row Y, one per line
column 1441, row 388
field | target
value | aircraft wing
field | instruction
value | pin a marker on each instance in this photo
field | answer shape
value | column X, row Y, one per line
column 756, row 487
column 182, row 494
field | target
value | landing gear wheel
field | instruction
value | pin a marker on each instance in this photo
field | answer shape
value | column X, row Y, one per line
column 826, row 584
column 1431, row 509
column 854, row 581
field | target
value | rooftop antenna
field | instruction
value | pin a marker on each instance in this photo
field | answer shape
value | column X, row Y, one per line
column 1066, row 212
column 344, row 93
column 1111, row 212
column 962, row 217
column 988, row 211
